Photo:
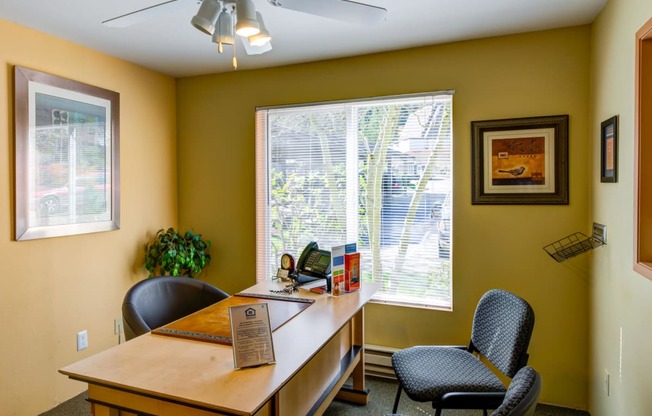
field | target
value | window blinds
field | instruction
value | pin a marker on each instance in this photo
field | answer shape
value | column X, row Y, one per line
column 377, row 172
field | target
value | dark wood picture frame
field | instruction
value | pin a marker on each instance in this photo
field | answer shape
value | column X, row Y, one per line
column 520, row 161
column 609, row 150
column 67, row 160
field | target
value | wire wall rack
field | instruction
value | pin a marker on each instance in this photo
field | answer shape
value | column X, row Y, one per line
column 577, row 243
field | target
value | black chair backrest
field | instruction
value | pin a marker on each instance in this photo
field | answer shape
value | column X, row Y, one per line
column 522, row 394
column 502, row 327
column 157, row 301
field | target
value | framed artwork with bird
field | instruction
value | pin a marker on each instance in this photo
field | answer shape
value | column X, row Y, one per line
column 520, row 161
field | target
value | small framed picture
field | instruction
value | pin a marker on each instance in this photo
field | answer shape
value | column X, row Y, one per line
column 609, row 150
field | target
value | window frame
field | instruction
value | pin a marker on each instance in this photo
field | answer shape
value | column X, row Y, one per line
column 263, row 159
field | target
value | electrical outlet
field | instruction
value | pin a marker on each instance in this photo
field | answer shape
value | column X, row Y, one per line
column 606, row 382
column 117, row 326
column 82, row 340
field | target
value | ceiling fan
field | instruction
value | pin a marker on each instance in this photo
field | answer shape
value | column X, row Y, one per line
column 223, row 19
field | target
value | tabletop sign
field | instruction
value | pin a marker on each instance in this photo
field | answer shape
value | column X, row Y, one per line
column 251, row 334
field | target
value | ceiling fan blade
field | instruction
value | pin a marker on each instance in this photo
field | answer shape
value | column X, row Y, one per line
column 147, row 13
column 253, row 49
column 346, row 10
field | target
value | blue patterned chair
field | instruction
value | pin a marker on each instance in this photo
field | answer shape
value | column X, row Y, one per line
column 522, row 394
column 454, row 377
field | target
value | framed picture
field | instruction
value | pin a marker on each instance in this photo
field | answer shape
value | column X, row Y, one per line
column 520, row 161
column 609, row 150
column 67, row 156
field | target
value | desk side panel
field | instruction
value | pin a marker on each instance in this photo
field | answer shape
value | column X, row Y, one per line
column 307, row 387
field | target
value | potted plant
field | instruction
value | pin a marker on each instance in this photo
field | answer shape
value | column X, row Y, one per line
column 171, row 253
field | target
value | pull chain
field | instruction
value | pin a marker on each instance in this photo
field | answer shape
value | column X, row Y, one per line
column 235, row 60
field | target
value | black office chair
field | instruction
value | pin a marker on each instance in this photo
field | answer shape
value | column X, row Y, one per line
column 157, row 301
column 522, row 394
column 454, row 377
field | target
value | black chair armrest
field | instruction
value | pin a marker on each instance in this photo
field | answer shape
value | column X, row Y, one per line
column 134, row 324
column 472, row 400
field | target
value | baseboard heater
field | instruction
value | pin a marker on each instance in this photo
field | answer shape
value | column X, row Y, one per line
column 378, row 361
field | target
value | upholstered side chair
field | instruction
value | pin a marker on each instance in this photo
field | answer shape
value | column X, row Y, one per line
column 455, row 377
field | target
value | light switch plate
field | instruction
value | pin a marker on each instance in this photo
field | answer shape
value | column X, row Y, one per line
column 600, row 232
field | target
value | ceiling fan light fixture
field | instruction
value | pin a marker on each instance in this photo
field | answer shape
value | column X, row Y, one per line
column 246, row 25
column 224, row 33
column 206, row 16
column 263, row 37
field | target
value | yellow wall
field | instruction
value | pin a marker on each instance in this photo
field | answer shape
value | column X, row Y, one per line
column 620, row 298
column 52, row 288
column 534, row 74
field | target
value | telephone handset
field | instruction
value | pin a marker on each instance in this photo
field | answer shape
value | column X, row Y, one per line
column 314, row 264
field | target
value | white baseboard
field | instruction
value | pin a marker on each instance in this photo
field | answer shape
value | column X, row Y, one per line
column 378, row 361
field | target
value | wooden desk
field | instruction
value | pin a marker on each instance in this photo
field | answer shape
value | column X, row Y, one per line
column 316, row 351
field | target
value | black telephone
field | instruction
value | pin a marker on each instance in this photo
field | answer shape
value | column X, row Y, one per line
column 314, row 264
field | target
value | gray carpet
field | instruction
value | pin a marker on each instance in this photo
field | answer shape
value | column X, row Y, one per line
column 381, row 399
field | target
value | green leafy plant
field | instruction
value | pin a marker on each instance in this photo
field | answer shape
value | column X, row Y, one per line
column 171, row 253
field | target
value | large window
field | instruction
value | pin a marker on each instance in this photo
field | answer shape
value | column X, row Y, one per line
column 376, row 172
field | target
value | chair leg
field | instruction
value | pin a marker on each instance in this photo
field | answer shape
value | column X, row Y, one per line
column 484, row 412
column 398, row 397
column 438, row 411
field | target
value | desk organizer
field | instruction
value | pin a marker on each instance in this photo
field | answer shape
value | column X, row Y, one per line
column 578, row 243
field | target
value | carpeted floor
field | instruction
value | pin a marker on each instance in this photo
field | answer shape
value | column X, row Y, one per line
column 381, row 399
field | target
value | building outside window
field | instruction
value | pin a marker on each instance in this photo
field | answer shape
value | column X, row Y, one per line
column 377, row 172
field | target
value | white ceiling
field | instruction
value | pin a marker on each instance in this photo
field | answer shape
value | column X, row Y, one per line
column 170, row 44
